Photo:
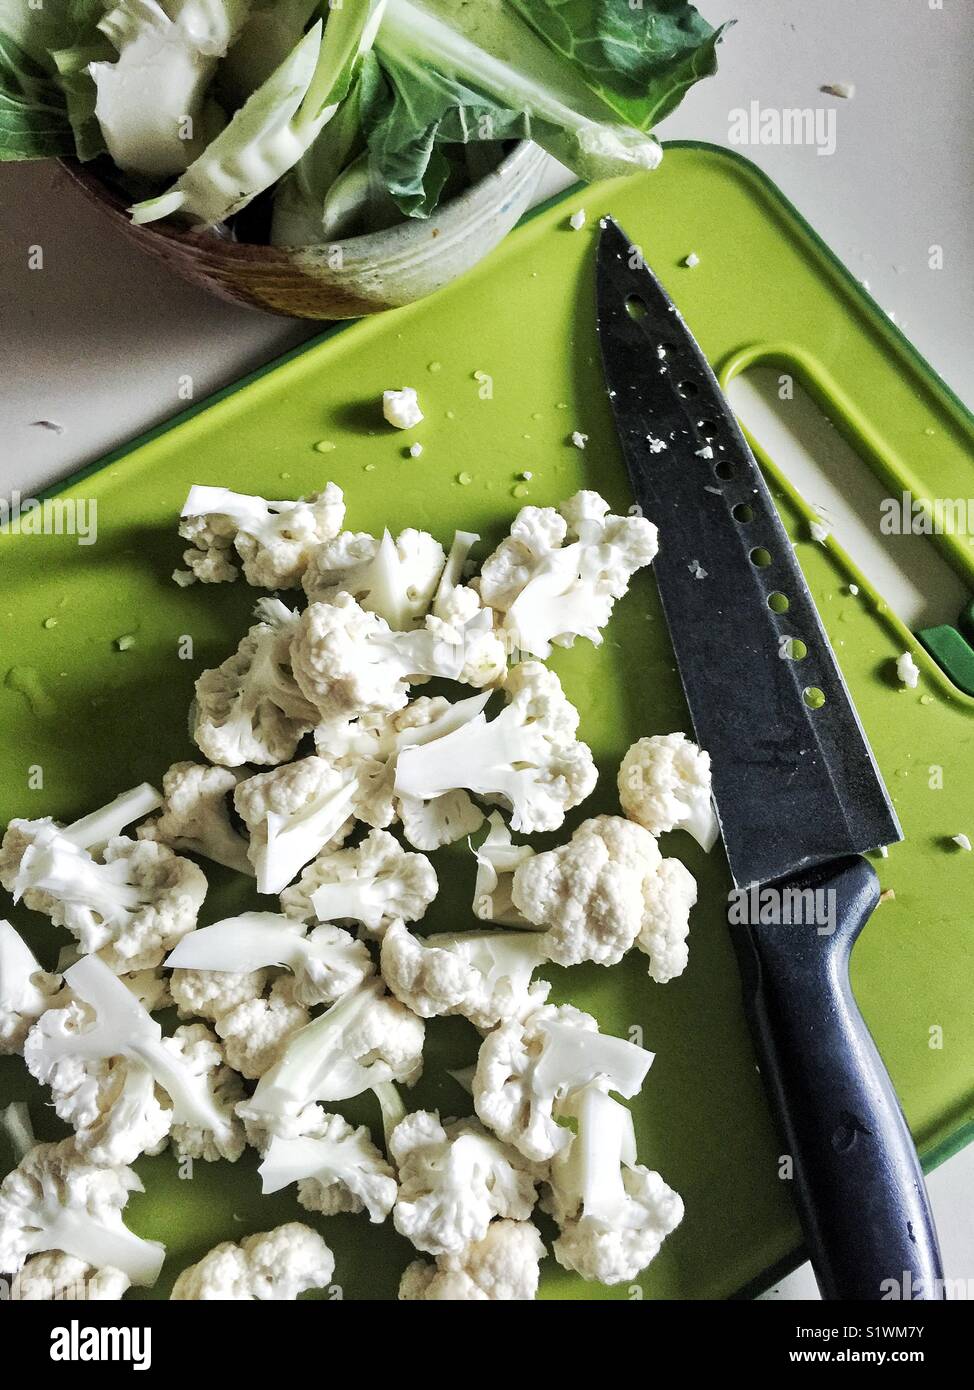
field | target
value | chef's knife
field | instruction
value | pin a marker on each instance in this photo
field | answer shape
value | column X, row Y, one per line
column 798, row 794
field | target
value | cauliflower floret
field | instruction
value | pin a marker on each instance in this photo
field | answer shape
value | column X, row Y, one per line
column 401, row 408
column 213, row 993
column 325, row 964
column 373, row 884
column 275, row 1265
column 442, row 820
column 249, row 709
column 55, row 1276
column 453, row 1180
column 498, row 859
column 460, row 616
column 26, row 990
column 196, row 816
column 552, row 592
column 130, row 905
column 504, row 1266
column 274, row 540
column 485, row 976
column 527, row 757
column 590, row 892
column 337, row 1168
column 292, row 813
column 613, row 1213
column 256, row 1032
column 65, row 1046
column 527, row 1066
column 664, row 784
column 58, row 1200
column 394, row 578
column 666, row 921
column 367, row 1038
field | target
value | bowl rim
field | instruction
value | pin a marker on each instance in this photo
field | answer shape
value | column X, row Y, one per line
column 519, row 162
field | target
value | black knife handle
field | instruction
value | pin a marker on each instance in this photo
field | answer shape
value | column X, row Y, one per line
column 858, row 1188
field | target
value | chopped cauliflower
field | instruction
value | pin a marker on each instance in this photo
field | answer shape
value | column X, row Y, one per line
column 26, row 990
column 195, row 818
column 504, row 1266
column 177, row 1086
column 401, row 408
column 249, row 709
column 213, row 993
column 484, row 976
column 364, row 1040
column 54, row 1276
column 337, row 1168
column 668, row 898
column 527, row 1066
column 558, row 575
column 326, row 963
column 374, row 884
column 664, row 784
column 907, row 671
column 613, row 1214
column 453, row 1180
column 292, row 813
column 274, row 1266
column 498, row 859
column 130, row 904
column 394, row 578
column 256, row 1031
column 58, row 1200
column 527, row 757
column 274, row 541
column 460, row 616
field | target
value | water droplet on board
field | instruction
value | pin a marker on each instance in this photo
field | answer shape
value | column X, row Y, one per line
column 26, row 682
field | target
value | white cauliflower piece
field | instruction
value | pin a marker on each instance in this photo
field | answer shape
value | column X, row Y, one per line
column 666, row 920
column 351, row 664
column 337, row 1168
column 441, row 820
column 401, row 408
column 325, row 963
column 26, row 990
column 53, row 1276
column 591, row 893
column 613, row 1213
column 453, row 1180
column 274, row 1265
column 528, row 1066
column 58, row 1200
column 527, row 757
column 273, row 540
column 257, row 1031
column 65, row 1046
column 364, row 1040
column 292, row 813
column 213, row 993
column 498, row 859
column 484, row 976
column 374, row 884
column 131, row 904
column 249, row 709
column 504, row 1266
column 559, row 573
column 394, row 578
column 664, row 784
column 459, row 616
column 195, row 818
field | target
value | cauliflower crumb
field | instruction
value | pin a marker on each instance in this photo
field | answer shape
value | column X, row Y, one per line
column 908, row 671
column 579, row 439
column 401, row 408
column 962, row 841
column 845, row 90
column 691, row 260
column 415, row 450
column 854, row 590
column 577, row 220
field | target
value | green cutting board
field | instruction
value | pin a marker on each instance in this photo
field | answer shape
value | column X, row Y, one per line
column 506, row 365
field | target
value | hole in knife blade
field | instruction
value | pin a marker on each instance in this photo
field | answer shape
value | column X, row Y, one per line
column 742, row 512
column 723, row 469
column 761, row 557
column 792, row 649
column 688, row 389
column 813, row 697
column 636, row 308
column 778, row 602
column 708, row 428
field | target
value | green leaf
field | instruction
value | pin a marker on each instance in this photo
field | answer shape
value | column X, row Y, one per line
column 640, row 59
column 33, row 119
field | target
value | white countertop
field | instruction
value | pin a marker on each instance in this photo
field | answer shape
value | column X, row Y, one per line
column 99, row 340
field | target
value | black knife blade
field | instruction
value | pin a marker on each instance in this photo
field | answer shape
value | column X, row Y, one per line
column 795, row 781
